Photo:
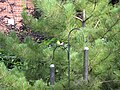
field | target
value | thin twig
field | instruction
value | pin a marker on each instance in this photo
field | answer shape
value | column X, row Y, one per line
column 92, row 11
column 110, row 28
column 97, row 24
column 78, row 18
column 109, row 81
column 82, row 20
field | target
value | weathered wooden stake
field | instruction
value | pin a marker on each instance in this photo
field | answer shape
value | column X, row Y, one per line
column 83, row 21
column 85, row 77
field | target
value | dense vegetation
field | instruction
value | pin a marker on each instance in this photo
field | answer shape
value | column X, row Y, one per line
column 24, row 65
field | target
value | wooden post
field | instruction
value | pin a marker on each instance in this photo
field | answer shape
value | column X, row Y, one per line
column 83, row 21
column 85, row 77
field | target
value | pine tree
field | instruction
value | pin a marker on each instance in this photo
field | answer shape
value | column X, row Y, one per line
column 56, row 18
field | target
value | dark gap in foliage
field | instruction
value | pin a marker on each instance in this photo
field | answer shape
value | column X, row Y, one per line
column 113, row 2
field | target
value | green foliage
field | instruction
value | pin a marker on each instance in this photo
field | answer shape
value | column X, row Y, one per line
column 14, row 80
column 47, row 24
column 35, row 59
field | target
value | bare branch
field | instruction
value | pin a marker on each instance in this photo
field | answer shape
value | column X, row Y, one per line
column 110, row 28
column 110, row 81
column 97, row 24
column 92, row 11
column 78, row 18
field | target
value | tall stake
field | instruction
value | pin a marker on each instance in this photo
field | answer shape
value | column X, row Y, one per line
column 85, row 77
column 52, row 75
column 85, row 64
